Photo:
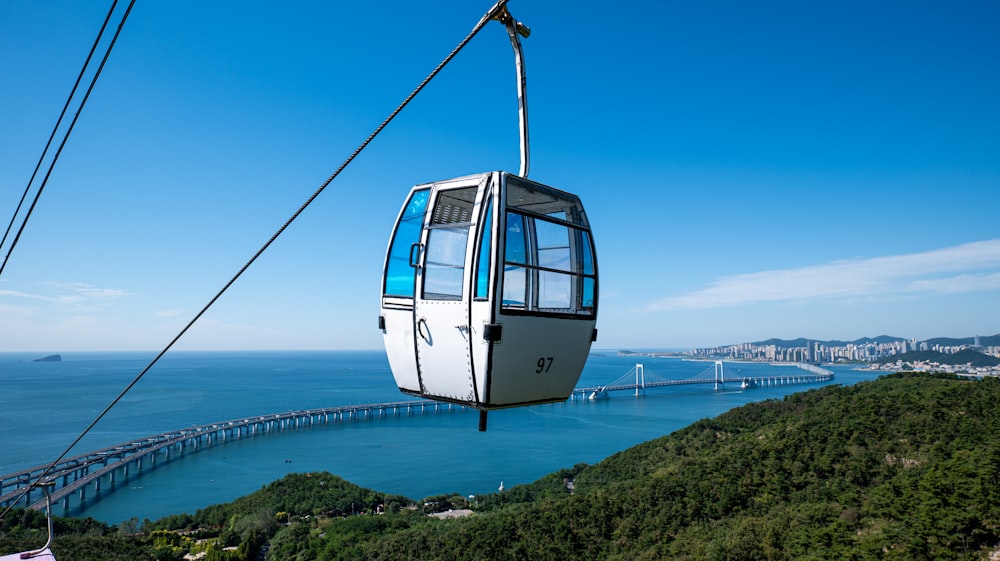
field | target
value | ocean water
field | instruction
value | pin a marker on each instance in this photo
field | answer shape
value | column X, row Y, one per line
column 46, row 405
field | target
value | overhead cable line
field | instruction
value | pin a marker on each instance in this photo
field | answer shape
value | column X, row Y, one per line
column 55, row 158
column 493, row 13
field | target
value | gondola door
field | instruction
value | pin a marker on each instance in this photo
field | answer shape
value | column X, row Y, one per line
column 441, row 312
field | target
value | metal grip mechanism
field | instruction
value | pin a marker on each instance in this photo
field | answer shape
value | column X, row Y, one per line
column 508, row 20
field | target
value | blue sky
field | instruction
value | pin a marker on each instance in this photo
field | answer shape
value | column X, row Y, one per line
column 751, row 170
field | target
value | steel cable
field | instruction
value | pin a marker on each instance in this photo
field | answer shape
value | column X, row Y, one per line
column 55, row 158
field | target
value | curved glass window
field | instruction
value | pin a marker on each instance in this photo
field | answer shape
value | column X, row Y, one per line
column 399, row 274
column 483, row 260
column 549, row 265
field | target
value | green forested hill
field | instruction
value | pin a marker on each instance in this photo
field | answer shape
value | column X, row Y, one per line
column 903, row 467
column 906, row 467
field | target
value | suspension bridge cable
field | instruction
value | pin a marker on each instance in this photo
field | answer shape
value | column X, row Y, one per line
column 491, row 14
column 55, row 158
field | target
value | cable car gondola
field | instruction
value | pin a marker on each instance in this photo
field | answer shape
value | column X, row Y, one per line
column 489, row 290
column 489, row 293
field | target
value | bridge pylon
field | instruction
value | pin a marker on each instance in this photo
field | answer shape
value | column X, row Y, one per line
column 720, row 374
column 640, row 379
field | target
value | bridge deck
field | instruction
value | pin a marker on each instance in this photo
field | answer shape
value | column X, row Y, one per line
column 75, row 473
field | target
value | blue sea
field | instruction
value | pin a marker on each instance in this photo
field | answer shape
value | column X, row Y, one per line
column 46, row 405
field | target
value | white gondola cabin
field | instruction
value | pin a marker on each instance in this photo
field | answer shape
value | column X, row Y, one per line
column 489, row 292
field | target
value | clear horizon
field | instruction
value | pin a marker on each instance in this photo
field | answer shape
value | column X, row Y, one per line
column 596, row 348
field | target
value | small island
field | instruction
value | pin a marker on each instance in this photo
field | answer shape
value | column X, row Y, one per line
column 50, row 358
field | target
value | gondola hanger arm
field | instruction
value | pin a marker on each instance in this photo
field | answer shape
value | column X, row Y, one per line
column 515, row 28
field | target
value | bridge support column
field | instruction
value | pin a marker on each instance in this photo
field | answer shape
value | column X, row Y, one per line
column 640, row 380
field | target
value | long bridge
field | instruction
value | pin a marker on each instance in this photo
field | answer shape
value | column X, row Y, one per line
column 108, row 466
column 714, row 374
column 73, row 476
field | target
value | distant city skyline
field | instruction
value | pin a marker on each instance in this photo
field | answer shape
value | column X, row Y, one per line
column 860, row 349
